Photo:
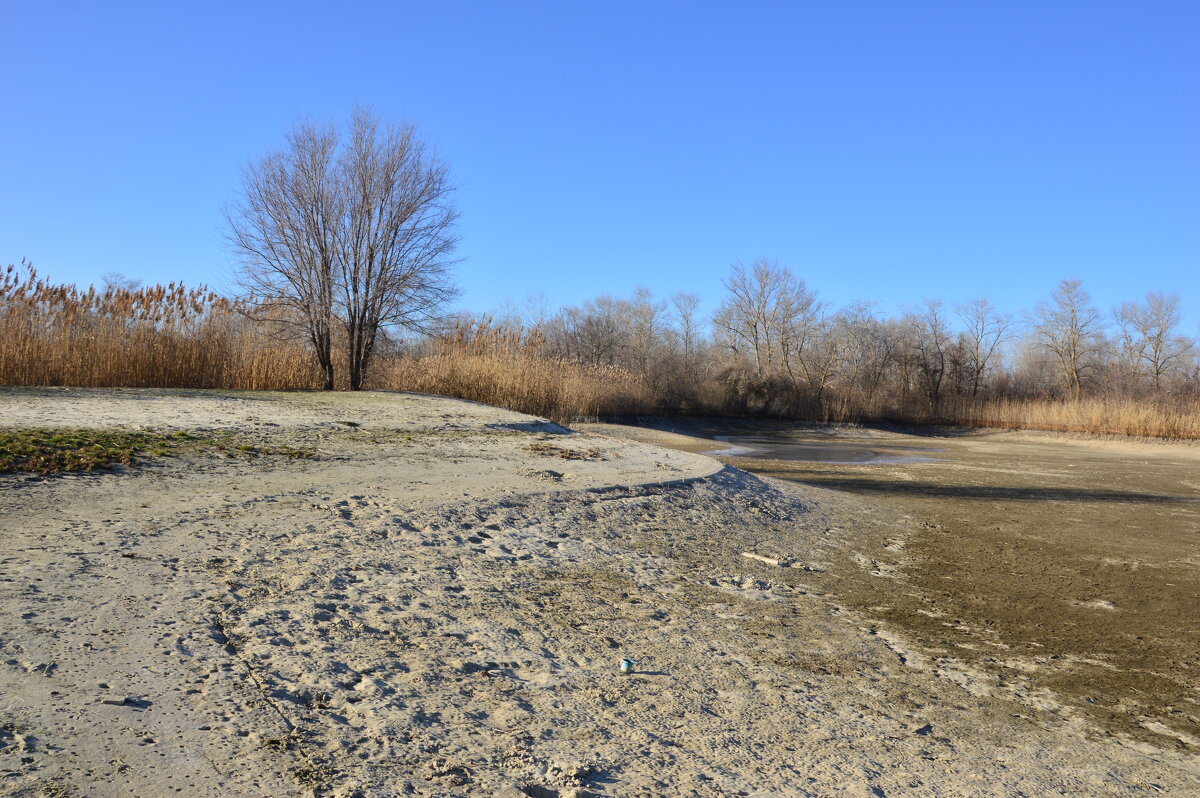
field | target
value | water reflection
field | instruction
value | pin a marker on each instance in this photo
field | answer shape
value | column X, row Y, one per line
column 785, row 447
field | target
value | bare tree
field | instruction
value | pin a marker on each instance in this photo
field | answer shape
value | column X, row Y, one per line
column 818, row 351
column 530, row 314
column 931, row 342
column 647, row 322
column 987, row 330
column 685, row 306
column 1149, row 338
column 741, row 322
column 354, row 234
column 596, row 333
column 396, row 236
column 1070, row 330
column 117, row 281
column 868, row 349
column 284, row 229
column 768, row 316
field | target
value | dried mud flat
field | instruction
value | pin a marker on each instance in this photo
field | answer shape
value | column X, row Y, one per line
column 1059, row 570
column 435, row 604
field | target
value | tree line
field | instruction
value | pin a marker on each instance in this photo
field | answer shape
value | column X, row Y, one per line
column 347, row 239
column 774, row 346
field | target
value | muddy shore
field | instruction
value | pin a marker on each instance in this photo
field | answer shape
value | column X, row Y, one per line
column 1067, row 568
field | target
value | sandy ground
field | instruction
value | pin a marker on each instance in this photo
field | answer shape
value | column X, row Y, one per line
column 436, row 604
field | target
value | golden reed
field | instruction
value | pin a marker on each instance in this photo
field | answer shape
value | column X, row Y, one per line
column 495, row 366
column 160, row 337
column 173, row 337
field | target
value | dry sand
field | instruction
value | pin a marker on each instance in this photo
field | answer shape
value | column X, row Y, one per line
column 436, row 604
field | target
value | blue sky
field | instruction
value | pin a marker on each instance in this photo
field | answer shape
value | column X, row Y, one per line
column 881, row 150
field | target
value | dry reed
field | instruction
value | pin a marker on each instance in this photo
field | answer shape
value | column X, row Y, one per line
column 172, row 337
column 547, row 387
column 497, row 366
column 165, row 337
column 1178, row 419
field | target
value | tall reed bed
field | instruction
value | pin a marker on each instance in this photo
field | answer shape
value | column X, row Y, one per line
column 499, row 367
column 174, row 337
column 1175, row 418
column 158, row 336
column 1167, row 418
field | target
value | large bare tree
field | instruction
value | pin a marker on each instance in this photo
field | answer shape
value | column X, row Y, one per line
column 596, row 333
column 1070, row 330
column 987, row 331
column 685, row 306
column 347, row 234
column 930, row 341
column 284, row 230
column 868, row 349
column 1149, row 338
column 769, row 315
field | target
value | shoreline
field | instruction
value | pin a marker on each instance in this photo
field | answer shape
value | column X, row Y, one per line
column 1050, row 570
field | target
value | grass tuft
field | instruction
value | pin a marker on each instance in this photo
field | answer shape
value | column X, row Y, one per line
column 42, row 451
column 550, row 450
column 54, row 451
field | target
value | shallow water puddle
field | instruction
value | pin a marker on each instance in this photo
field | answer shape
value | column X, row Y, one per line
column 784, row 447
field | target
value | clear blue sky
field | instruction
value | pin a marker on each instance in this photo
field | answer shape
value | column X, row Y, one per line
column 882, row 150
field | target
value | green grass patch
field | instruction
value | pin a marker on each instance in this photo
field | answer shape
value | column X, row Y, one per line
column 53, row 451
column 550, row 450
column 254, row 450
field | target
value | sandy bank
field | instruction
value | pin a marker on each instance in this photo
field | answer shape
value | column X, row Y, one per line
column 436, row 604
